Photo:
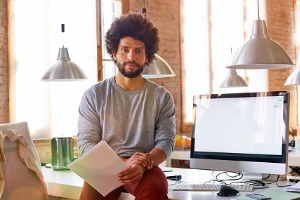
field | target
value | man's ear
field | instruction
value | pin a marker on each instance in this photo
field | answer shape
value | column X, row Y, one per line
column 114, row 56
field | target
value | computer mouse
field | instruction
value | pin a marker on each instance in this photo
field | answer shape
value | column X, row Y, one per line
column 227, row 191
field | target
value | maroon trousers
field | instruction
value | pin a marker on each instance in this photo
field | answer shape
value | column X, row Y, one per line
column 153, row 186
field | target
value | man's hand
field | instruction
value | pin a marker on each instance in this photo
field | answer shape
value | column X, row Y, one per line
column 142, row 159
column 132, row 175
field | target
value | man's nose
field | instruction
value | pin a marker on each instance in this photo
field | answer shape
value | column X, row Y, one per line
column 131, row 56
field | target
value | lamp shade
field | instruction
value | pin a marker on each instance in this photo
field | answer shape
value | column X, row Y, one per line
column 294, row 77
column 233, row 80
column 159, row 68
column 63, row 69
column 260, row 52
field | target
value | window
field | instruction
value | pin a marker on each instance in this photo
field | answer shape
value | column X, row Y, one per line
column 298, row 47
column 50, row 108
column 211, row 30
column 109, row 10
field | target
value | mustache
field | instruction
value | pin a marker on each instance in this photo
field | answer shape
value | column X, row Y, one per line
column 132, row 63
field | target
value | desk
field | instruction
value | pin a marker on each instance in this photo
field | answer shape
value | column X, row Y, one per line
column 68, row 185
column 294, row 158
column 64, row 184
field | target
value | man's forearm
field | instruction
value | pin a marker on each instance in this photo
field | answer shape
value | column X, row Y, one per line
column 147, row 160
column 158, row 156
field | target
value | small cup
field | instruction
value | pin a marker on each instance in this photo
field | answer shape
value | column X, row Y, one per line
column 297, row 143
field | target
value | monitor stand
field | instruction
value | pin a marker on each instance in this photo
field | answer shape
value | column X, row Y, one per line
column 259, row 176
column 252, row 176
column 243, row 177
column 247, row 176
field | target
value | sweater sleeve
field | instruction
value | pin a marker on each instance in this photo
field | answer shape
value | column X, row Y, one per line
column 89, row 132
column 165, row 129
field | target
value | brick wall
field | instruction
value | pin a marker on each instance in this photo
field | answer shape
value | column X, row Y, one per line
column 165, row 16
column 281, row 26
column 4, row 115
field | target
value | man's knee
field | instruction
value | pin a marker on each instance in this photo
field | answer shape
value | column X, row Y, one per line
column 152, row 190
column 158, row 186
column 154, row 185
column 90, row 193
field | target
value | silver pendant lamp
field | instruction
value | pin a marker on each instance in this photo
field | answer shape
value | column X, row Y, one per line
column 63, row 69
column 260, row 52
column 233, row 80
column 294, row 77
column 158, row 68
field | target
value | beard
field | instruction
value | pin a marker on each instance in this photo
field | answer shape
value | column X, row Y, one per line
column 130, row 74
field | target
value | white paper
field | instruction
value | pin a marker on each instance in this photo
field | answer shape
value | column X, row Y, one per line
column 99, row 168
column 294, row 188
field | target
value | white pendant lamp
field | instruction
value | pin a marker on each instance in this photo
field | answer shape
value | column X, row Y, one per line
column 63, row 69
column 233, row 80
column 294, row 77
column 159, row 68
column 260, row 52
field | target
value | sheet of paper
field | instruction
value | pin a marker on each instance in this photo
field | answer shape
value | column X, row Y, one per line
column 294, row 188
column 275, row 195
column 99, row 168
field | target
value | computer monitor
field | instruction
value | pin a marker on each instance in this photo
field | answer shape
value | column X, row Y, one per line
column 241, row 132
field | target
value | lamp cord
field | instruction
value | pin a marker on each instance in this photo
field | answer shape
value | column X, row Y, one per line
column 62, row 29
column 143, row 8
column 258, row 9
column 62, row 18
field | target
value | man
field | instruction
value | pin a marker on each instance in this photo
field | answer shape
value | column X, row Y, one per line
column 135, row 116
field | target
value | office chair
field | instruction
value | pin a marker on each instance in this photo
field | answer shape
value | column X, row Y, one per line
column 20, row 174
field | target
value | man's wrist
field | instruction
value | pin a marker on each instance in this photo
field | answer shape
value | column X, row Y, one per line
column 141, row 167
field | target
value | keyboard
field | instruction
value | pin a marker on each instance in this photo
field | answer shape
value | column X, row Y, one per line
column 211, row 187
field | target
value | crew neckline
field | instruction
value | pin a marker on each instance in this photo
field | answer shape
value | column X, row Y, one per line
column 114, row 83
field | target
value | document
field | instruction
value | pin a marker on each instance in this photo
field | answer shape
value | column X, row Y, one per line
column 294, row 188
column 99, row 168
column 275, row 195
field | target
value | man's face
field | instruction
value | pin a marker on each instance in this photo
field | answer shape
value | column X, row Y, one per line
column 130, row 57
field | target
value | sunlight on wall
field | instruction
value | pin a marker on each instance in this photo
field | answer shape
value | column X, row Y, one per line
column 50, row 108
column 204, row 68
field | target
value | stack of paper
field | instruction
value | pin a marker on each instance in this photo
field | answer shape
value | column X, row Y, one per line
column 294, row 188
column 99, row 168
column 275, row 195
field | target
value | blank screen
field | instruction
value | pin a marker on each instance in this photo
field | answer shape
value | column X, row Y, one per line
column 240, row 125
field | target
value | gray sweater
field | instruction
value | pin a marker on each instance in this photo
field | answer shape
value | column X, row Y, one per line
column 129, row 121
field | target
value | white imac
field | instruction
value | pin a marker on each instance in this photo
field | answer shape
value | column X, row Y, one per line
column 241, row 132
